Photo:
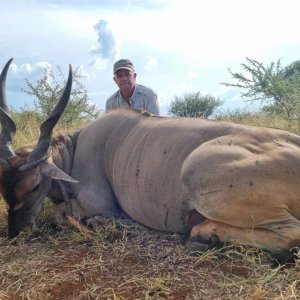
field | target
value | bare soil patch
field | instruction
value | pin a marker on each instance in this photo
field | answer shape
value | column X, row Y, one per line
column 128, row 261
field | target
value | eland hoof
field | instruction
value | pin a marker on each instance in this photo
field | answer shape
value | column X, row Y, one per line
column 199, row 244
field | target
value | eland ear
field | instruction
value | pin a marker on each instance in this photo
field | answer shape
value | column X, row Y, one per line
column 54, row 172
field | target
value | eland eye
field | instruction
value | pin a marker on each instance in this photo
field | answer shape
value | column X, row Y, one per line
column 35, row 188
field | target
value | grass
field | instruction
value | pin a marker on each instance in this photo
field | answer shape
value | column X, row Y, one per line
column 125, row 260
column 135, row 263
column 260, row 120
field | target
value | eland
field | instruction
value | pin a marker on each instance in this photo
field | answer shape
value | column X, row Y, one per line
column 214, row 181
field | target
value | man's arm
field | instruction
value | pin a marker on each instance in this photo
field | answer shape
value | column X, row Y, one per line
column 106, row 107
column 153, row 106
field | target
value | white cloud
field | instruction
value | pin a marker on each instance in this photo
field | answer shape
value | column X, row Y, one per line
column 30, row 70
column 99, row 63
column 191, row 75
column 212, row 31
column 151, row 63
column 107, row 45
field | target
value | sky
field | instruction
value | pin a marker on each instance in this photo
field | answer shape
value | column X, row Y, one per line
column 177, row 47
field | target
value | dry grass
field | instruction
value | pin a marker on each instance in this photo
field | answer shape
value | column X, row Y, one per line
column 28, row 129
column 125, row 260
column 292, row 125
column 128, row 261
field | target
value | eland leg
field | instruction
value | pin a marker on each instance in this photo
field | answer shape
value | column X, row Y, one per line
column 276, row 238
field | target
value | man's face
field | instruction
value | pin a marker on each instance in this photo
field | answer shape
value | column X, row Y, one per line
column 125, row 79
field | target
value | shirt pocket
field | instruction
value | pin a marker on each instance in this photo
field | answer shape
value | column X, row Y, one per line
column 141, row 103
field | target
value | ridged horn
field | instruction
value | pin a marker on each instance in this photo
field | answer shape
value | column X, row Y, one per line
column 43, row 150
column 8, row 125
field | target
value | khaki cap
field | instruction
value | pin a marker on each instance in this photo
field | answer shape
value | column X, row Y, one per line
column 123, row 64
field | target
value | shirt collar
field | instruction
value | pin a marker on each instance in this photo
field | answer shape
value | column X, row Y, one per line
column 132, row 96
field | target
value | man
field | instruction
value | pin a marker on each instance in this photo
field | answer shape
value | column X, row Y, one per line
column 131, row 94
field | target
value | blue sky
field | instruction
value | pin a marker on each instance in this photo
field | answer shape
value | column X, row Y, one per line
column 176, row 46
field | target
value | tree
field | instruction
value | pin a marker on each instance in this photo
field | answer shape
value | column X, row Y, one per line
column 292, row 69
column 49, row 89
column 277, row 88
column 194, row 105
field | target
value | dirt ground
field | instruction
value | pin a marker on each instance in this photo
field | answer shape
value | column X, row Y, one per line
column 127, row 261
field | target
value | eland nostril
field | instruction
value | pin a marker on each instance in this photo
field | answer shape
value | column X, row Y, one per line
column 14, row 231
